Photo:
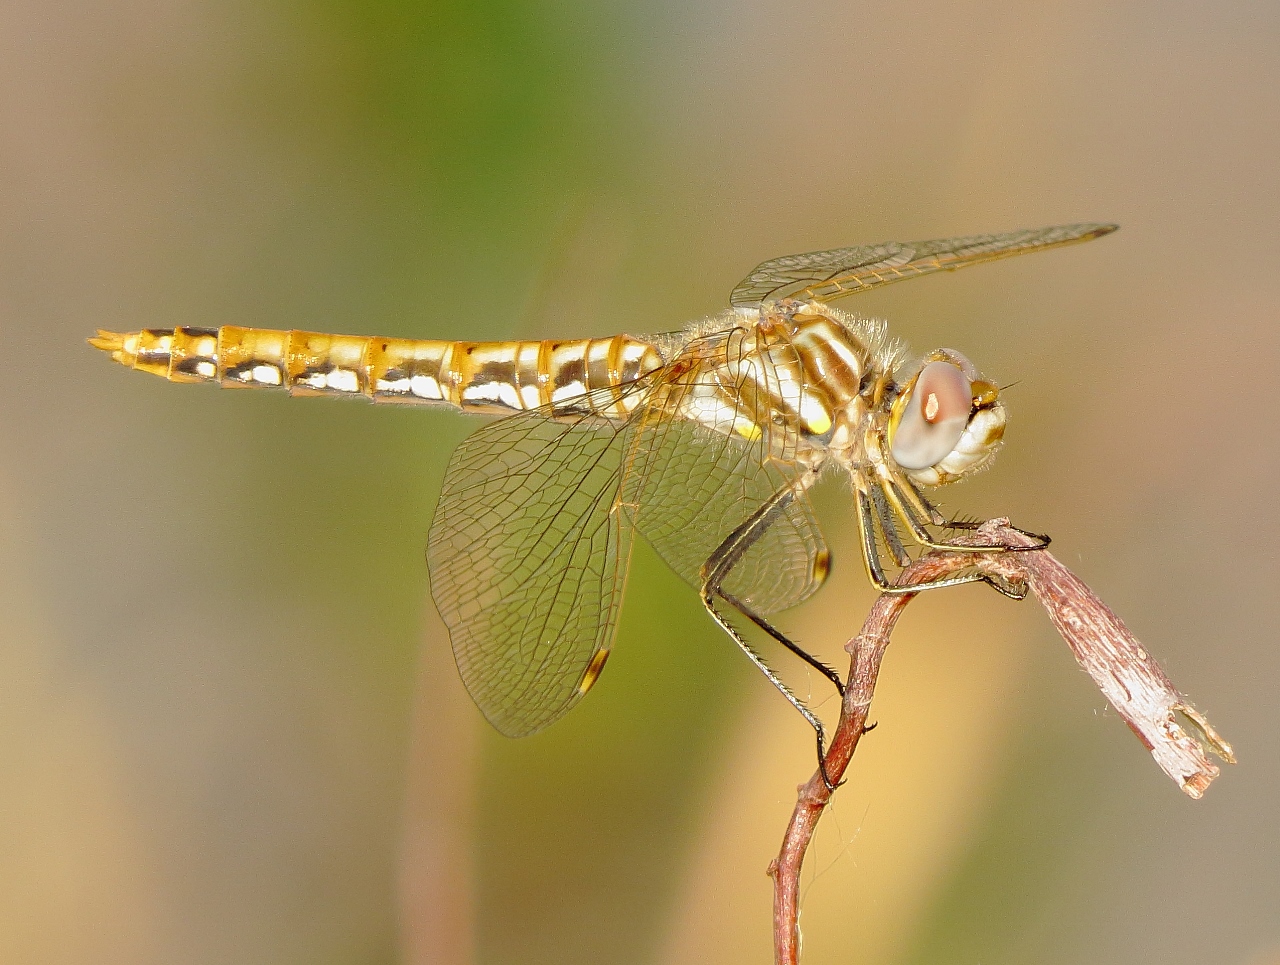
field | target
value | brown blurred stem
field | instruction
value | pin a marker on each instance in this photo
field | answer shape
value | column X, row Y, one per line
column 1130, row 680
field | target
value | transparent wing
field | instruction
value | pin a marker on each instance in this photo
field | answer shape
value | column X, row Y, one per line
column 688, row 485
column 528, row 558
column 842, row 271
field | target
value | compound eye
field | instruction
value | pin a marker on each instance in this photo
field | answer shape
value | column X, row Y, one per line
column 935, row 412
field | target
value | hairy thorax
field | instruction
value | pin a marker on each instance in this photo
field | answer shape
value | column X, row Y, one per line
column 803, row 379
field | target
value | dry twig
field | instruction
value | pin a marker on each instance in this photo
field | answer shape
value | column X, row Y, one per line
column 1123, row 670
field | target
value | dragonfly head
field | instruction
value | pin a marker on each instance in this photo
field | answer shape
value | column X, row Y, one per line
column 946, row 421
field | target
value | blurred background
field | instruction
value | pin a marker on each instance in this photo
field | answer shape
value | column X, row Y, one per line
column 230, row 726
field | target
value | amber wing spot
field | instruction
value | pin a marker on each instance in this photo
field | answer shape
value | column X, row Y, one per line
column 593, row 671
column 821, row 567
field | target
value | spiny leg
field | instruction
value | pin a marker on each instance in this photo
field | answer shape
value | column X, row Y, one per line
column 904, row 508
column 934, row 514
column 727, row 555
column 1042, row 539
column 717, row 568
column 708, row 600
column 903, row 503
column 871, row 553
column 777, row 634
column 888, row 529
column 1013, row 591
column 938, row 519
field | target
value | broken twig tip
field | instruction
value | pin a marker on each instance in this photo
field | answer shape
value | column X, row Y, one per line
column 1207, row 732
column 1125, row 672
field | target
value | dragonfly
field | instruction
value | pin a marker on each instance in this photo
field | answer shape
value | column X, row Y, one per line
column 706, row 442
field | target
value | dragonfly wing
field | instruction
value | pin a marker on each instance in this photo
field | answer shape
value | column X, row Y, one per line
column 528, row 558
column 825, row 275
column 689, row 485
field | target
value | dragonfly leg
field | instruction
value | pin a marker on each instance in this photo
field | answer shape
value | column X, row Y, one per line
column 913, row 509
column 716, row 570
column 708, row 600
column 888, row 529
column 932, row 511
column 942, row 521
column 777, row 634
column 1042, row 540
column 727, row 555
column 1013, row 591
column 871, row 554
column 937, row 518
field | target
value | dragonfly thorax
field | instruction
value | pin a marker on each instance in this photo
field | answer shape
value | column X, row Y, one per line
column 790, row 375
column 829, row 385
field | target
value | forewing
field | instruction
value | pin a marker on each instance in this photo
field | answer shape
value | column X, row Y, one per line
column 528, row 558
column 825, row 275
column 689, row 485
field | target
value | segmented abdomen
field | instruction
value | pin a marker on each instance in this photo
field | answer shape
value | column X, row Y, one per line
column 498, row 377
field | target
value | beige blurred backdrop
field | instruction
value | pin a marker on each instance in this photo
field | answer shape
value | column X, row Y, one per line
column 230, row 728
